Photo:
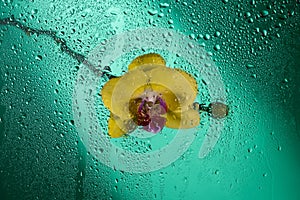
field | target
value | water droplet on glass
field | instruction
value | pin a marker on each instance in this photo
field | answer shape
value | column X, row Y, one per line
column 152, row 12
column 251, row 20
column 192, row 36
column 264, row 13
column 264, row 32
column 249, row 66
column 217, row 47
column 34, row 11
column 164, row 5
column 160, row 14
column 71, row 122
column 217, row 34
column 206, row 36
column 248, row 14
column 170, row 21
column 265, row 175
column 38, row 57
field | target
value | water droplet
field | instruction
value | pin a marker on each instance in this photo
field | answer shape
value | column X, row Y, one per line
column 161, row 15
column 192, row 36
column 217, row 47
column 251, row 20
column 249, row 66
column 151, row 21
column 206, row 36
column 217, row 34
column 191, row 45
column 71, row 122
column 34, row 11
column 164, row 5
column 184, row 3
column 264, row 32
column 38, row 57
column 152, row 12
column 264, row 13
column 248, row 14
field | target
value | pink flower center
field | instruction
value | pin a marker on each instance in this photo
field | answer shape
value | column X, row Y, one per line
column 148, row 114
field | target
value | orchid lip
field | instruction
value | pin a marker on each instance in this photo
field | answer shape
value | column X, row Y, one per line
column 149, row 112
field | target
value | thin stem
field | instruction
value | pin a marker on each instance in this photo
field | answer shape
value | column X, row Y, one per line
column 202, row 107
column 11, row 21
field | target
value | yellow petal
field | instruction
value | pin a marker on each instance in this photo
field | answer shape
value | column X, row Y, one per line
column 113, row 129
column 190, row 79
column 151, row 58
column 168, row 96
column 118, row 127
column 183, row 120
column 123, row 91
column 179, row 83
column 107, row 91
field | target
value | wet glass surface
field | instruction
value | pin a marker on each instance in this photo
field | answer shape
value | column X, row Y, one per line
column 53, row 124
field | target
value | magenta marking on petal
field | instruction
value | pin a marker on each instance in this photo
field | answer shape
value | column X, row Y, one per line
column 156, row 125
column 149, row 114
column 141, row 105
column 163, row 104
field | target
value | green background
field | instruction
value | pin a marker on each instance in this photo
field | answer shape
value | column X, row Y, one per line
column 255, row 45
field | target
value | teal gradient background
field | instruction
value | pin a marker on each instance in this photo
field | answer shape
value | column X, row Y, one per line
column 255, row 45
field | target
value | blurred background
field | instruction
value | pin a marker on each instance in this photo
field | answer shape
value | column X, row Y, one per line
column 254, row 44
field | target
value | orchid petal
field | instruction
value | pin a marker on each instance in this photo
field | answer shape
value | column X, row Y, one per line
column 151, row 58
column 183, row 120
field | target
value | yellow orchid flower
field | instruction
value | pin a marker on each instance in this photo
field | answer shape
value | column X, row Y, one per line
column 150, row 95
